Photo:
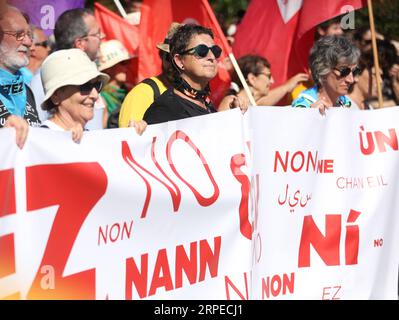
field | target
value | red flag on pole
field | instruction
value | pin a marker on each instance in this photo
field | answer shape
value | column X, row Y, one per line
column 115, row 27
column 283, row 31
column 156, row 17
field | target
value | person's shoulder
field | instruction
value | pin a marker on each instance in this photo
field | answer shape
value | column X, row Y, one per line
column 145, row 88
column 306, row 98
column 48, row 124
column 166, row 98
column 141, row 92
column 311, row 92
column 162, row 87
column 346, row 102
column 139, row 88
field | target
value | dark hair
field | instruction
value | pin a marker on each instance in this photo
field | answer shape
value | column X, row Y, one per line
column 250, row 64
column 71, row 26
column 167, row 67
column 326, row 24
column 366, row 60
column 181, row 39
column 183, row 35
column 359, row 33
column 49, row 106
column 387, row 54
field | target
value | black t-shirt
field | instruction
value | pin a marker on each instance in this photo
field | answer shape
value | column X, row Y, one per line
column 169, row 107
column 30, row 114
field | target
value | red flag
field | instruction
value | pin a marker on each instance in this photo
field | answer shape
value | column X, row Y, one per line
column 283, row 31
column 156, row 17
column 115, row 27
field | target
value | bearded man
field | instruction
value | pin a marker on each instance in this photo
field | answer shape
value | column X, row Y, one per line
column 17, row 104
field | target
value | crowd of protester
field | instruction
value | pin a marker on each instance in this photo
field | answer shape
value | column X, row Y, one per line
column 341, row 64
column 82, row 86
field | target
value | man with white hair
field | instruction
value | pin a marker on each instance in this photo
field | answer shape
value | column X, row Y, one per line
column 17, row 104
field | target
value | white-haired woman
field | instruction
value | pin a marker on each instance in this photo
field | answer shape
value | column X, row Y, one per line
column 334, row 64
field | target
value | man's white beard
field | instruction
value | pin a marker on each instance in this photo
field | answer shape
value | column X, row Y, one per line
column 11, row 60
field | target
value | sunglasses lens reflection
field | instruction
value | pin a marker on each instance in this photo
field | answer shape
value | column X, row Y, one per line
column 356, row 72
column 217, row 51
column 87, row 87
column 346, row 71
column 202, row 50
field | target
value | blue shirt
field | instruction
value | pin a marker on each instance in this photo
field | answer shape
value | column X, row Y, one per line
column 307, row 97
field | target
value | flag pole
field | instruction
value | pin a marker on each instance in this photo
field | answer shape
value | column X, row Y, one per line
column 242, row 79
column 230, row 54
column 375, row 53
column 120, row 8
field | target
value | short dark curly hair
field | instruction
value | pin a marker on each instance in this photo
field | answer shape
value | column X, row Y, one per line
column 181, row 39
column 183, row 35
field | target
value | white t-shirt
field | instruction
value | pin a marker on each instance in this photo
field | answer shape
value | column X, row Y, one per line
column 52, row 125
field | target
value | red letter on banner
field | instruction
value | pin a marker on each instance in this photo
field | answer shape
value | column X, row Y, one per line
column 76, row 188
column 7, row 207
column 326, row 246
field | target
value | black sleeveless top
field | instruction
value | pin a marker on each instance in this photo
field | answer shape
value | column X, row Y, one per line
column 169, row 107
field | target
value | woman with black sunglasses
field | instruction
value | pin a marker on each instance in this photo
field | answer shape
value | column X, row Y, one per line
column 193, row 55
column 333, row 61
column 72, row 84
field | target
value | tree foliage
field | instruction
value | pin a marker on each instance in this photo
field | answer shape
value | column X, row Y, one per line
column 227, row 10
column 385, row 17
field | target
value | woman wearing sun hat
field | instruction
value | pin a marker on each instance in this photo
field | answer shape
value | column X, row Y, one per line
column 72, row 85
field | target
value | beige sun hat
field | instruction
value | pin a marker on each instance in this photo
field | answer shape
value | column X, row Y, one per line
column 111, row 53
column 164, row 46
column 68, row 67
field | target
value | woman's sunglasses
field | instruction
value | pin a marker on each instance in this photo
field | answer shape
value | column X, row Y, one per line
column 86, row 88
column 344, row 72
column 202, row 50
column 43, row 44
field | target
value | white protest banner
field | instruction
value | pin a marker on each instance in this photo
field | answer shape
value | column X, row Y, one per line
column 120, row 216
column 166, row 215
column 326, row 220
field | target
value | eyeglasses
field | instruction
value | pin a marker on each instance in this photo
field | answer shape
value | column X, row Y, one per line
column 98, row 35
column 344, row 72
column 19, row 35
column 41, row 44
column 268, row 75
column 202, row 50
column 86, row 88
